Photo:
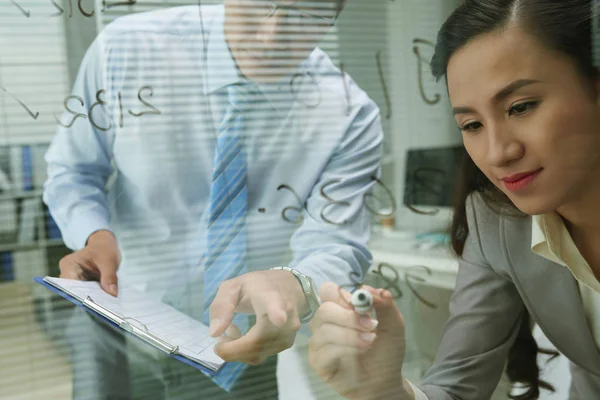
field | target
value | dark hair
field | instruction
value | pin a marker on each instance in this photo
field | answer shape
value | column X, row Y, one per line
column 561, row 25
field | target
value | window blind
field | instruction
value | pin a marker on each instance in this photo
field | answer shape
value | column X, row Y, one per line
column 33, row 73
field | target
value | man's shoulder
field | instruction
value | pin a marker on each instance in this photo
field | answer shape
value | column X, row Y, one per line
column 169, row 22
column 332, row 79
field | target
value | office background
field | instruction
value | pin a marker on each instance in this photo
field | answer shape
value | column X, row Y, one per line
column 384, row 45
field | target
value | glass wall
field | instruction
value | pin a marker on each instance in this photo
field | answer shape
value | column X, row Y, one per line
column 182, row 149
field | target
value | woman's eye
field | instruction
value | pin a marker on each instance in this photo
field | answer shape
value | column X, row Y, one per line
column 471, row 127
column 522, row 108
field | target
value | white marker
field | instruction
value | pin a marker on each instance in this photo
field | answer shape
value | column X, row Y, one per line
column 362, row 301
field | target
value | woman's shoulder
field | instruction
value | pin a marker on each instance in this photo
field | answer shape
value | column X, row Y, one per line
column 496, row 224
column 493, row 212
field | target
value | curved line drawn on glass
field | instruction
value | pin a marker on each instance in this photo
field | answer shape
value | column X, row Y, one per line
column 331, row 203
column 77, row 115
column 85, row 14
column 411, row 278
column 299, row 210
column 25, row 12
column 31, row 113
column 422, row 184
column 386, row 93
column 355, row 283
column 293, row 84
column 366, row 196
column 119, row 98
column 391, row 278
column 144, row 102
column 106, row 5
column 392, row 284
column 421, row 60
column 101, row 102
column 61, row 11
column 346, row 90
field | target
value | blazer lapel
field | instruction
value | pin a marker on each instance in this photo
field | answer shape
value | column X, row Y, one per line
column 551, row 294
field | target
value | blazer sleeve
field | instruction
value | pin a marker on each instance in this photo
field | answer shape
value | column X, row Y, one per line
column 485, row 316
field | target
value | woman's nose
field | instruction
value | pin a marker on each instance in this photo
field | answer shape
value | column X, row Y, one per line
column 503, row 147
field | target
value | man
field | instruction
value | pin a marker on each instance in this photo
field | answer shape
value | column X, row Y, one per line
column 199, row 144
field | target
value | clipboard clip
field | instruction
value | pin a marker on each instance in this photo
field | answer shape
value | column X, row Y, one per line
column 138, row 329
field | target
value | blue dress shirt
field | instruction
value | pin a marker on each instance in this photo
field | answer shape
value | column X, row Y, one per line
column 138, row 159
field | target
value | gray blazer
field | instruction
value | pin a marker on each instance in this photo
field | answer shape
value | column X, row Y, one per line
column 498, row 277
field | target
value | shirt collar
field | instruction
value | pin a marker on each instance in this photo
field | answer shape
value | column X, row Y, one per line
column 547, row 232
column 221, row 68
column 538, row 236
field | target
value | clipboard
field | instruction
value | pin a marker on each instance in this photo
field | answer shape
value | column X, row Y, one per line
column 133, row 327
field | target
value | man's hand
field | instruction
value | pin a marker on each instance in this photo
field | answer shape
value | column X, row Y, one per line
column 97, row 261
column 277, row 300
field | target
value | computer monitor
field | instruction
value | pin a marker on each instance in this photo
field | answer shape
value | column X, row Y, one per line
column 431, row 175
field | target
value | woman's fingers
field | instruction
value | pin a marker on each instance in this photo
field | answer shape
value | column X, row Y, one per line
column 335, row 334
column 334, row 293
column 332, row 313
column 326, row 360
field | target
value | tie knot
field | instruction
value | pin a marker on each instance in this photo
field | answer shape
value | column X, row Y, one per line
column 242, row 95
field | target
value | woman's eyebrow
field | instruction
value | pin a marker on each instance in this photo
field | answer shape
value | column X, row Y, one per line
column 462, row 110
column 501, row 95
column 512, row 87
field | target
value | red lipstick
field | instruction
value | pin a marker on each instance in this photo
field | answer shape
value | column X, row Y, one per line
column 520, row 181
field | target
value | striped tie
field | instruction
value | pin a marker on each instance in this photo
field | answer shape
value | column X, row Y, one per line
column 225, row 256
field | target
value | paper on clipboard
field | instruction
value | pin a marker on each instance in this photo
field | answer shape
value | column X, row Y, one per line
column 152, row 321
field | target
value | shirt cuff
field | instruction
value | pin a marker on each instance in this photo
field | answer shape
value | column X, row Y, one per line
column 419, row 395
column 81, row 228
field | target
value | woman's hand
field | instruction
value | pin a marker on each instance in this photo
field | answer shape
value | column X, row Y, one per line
column 359, row 357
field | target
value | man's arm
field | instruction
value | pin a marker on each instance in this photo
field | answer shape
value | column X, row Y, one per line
column 79, row 157
column 331, row 243
column 323, row 250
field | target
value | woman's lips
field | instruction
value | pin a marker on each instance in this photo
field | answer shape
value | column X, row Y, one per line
column 520, row 181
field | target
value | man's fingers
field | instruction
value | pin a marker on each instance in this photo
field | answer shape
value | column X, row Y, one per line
column 272, row 305
column 261, row 341
column 277, row 309
column 223, row 307
column 232, row 333
column 243, row 349
column 78, row 269
column 108, row 275
column 73, row 271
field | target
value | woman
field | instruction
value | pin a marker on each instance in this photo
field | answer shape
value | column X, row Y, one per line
column 524, row 92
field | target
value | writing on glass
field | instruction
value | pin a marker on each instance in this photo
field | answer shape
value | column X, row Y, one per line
column 86, row 12
column 391, row 281
column 144, row 90
column 294, row 213
column 421, row 62
column 424, row 179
